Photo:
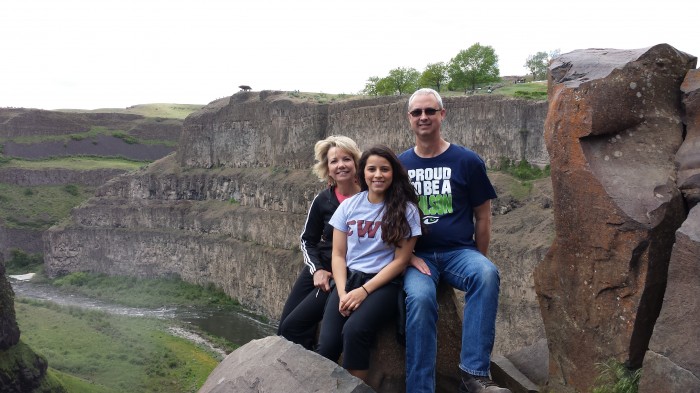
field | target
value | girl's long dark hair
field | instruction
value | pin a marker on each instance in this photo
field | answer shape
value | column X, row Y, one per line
column 401, row 192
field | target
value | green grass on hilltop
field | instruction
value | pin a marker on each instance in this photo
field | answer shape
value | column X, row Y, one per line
column 529, row 90
column 164, row 110
column 77, row 163
column 78, row 136
column 532, row 90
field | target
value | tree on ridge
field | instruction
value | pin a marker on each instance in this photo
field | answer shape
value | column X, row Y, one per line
column 475, row 65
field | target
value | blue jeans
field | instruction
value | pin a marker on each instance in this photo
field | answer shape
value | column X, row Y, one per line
column 471, row 272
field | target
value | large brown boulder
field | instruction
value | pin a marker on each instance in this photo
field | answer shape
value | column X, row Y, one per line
column 612, row 130
column 672, row 363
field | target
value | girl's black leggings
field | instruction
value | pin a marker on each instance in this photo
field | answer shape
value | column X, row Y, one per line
column 354, row 336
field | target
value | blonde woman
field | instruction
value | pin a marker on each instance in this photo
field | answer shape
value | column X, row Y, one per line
column 336, row 164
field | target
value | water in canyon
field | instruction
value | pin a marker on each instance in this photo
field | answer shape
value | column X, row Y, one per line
column 238, row 327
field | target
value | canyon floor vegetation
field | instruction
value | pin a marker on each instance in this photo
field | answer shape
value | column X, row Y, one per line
column 91, row 351
column 96, row 352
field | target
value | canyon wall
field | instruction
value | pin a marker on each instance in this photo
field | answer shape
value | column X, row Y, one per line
column 273, row 129
column 229, row 206
column 35, row 134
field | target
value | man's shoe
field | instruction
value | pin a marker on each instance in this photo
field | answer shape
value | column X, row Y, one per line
column 476, row 384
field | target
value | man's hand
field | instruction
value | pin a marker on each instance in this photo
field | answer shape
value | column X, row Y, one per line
column 322, row 280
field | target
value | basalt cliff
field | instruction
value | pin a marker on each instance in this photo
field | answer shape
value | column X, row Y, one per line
column 228, row 207
column 34, row 134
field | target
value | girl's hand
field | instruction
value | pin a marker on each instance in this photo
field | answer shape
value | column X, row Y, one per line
column 352, row 301
column 322, row 280
column 419, row 264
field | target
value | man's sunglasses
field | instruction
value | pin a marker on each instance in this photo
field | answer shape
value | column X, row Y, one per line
column 428, row 112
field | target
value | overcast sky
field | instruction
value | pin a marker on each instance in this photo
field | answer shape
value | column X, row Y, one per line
column 88, row 54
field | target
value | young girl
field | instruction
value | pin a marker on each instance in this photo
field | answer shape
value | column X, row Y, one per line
column 373, row 239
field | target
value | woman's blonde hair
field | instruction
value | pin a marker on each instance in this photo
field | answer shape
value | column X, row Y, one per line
column 321, row 154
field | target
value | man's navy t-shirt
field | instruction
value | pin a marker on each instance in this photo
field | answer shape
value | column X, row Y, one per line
column 448, row 187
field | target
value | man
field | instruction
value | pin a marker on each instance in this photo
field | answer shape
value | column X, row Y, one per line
column 455, row 197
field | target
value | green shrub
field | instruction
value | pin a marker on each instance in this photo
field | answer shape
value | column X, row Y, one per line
column 76, row 279
column 71, row 189
column 522, row 170
column 615, row 377
column 125, row 137
column 21, row 262
column 28, row 192
column 77, row 137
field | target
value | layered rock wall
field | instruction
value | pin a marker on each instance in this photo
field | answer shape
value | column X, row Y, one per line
column 56, row 176
column 229, row 207
column 20, row 122
column 271, row 129
column 27, row 240
column 39, row 134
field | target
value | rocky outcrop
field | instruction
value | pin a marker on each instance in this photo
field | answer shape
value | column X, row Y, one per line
column 672, row 363
column 688, row 156
column 273, row 364
column 9, row 331
column 522, row 232
column 28, row 240
column 21, row 370
column 613, row 127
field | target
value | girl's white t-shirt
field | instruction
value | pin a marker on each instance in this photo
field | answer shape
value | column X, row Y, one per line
column 361, row 221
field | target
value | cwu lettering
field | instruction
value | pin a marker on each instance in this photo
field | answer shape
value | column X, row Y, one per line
column 364, row 228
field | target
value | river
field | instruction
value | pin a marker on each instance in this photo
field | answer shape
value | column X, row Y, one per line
column 237, row 327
